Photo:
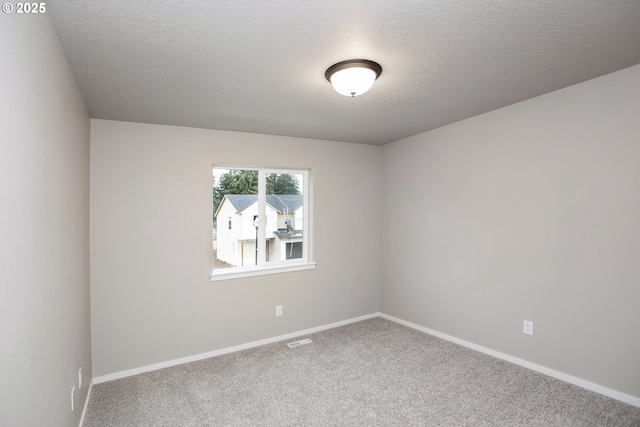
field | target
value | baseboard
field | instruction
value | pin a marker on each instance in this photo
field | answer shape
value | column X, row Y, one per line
column 626, row 398
column 182, row 360
column 86, row 404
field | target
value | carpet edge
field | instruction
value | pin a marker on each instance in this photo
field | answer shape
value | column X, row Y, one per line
column 614, row 394
column 219, row 352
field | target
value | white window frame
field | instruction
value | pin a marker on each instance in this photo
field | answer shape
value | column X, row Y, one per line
column 274, row 267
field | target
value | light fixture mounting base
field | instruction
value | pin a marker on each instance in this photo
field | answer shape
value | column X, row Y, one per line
column 352, row 63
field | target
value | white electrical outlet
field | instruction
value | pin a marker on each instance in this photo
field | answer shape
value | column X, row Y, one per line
column 527, row 327
column 278, row 310
column 73, row 397
column 79, row 378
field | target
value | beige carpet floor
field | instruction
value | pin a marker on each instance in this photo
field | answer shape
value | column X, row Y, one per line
column 370, row 373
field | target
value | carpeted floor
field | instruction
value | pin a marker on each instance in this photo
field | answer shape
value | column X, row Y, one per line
column 370, row 373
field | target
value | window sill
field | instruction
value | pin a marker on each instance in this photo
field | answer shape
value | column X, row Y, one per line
column 239, row 273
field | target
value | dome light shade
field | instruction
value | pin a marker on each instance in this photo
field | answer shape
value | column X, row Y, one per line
column 353, row 77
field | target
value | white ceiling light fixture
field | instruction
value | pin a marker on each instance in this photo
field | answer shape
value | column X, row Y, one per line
column 353, row 77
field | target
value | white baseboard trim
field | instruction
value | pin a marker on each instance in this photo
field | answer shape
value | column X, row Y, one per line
column 86, row 403
column 626, row 398
column 182, row 360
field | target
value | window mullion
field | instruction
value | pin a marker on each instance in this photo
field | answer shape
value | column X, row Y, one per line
column 262, row 202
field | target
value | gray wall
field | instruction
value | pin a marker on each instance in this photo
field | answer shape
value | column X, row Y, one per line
column 152, row 299
column 44, row 228
column 528, row 212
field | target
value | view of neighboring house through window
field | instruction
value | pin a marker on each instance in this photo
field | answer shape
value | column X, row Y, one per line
column 259, row 217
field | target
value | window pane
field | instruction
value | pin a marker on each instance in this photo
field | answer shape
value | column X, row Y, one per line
column 259, row 218
column 235, row 206
column 285, row 216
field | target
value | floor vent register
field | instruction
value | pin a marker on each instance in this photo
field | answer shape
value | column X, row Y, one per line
column 299, row 343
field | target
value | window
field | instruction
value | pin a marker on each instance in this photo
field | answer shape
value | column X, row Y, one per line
column 268, row 217
column 294, row 250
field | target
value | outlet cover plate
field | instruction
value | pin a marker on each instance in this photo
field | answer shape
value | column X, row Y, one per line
column 527, row 327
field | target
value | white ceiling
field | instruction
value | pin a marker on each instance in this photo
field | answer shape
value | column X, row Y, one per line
column 258, row 65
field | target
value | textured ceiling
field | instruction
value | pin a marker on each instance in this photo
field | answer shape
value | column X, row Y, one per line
column 258, row 66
